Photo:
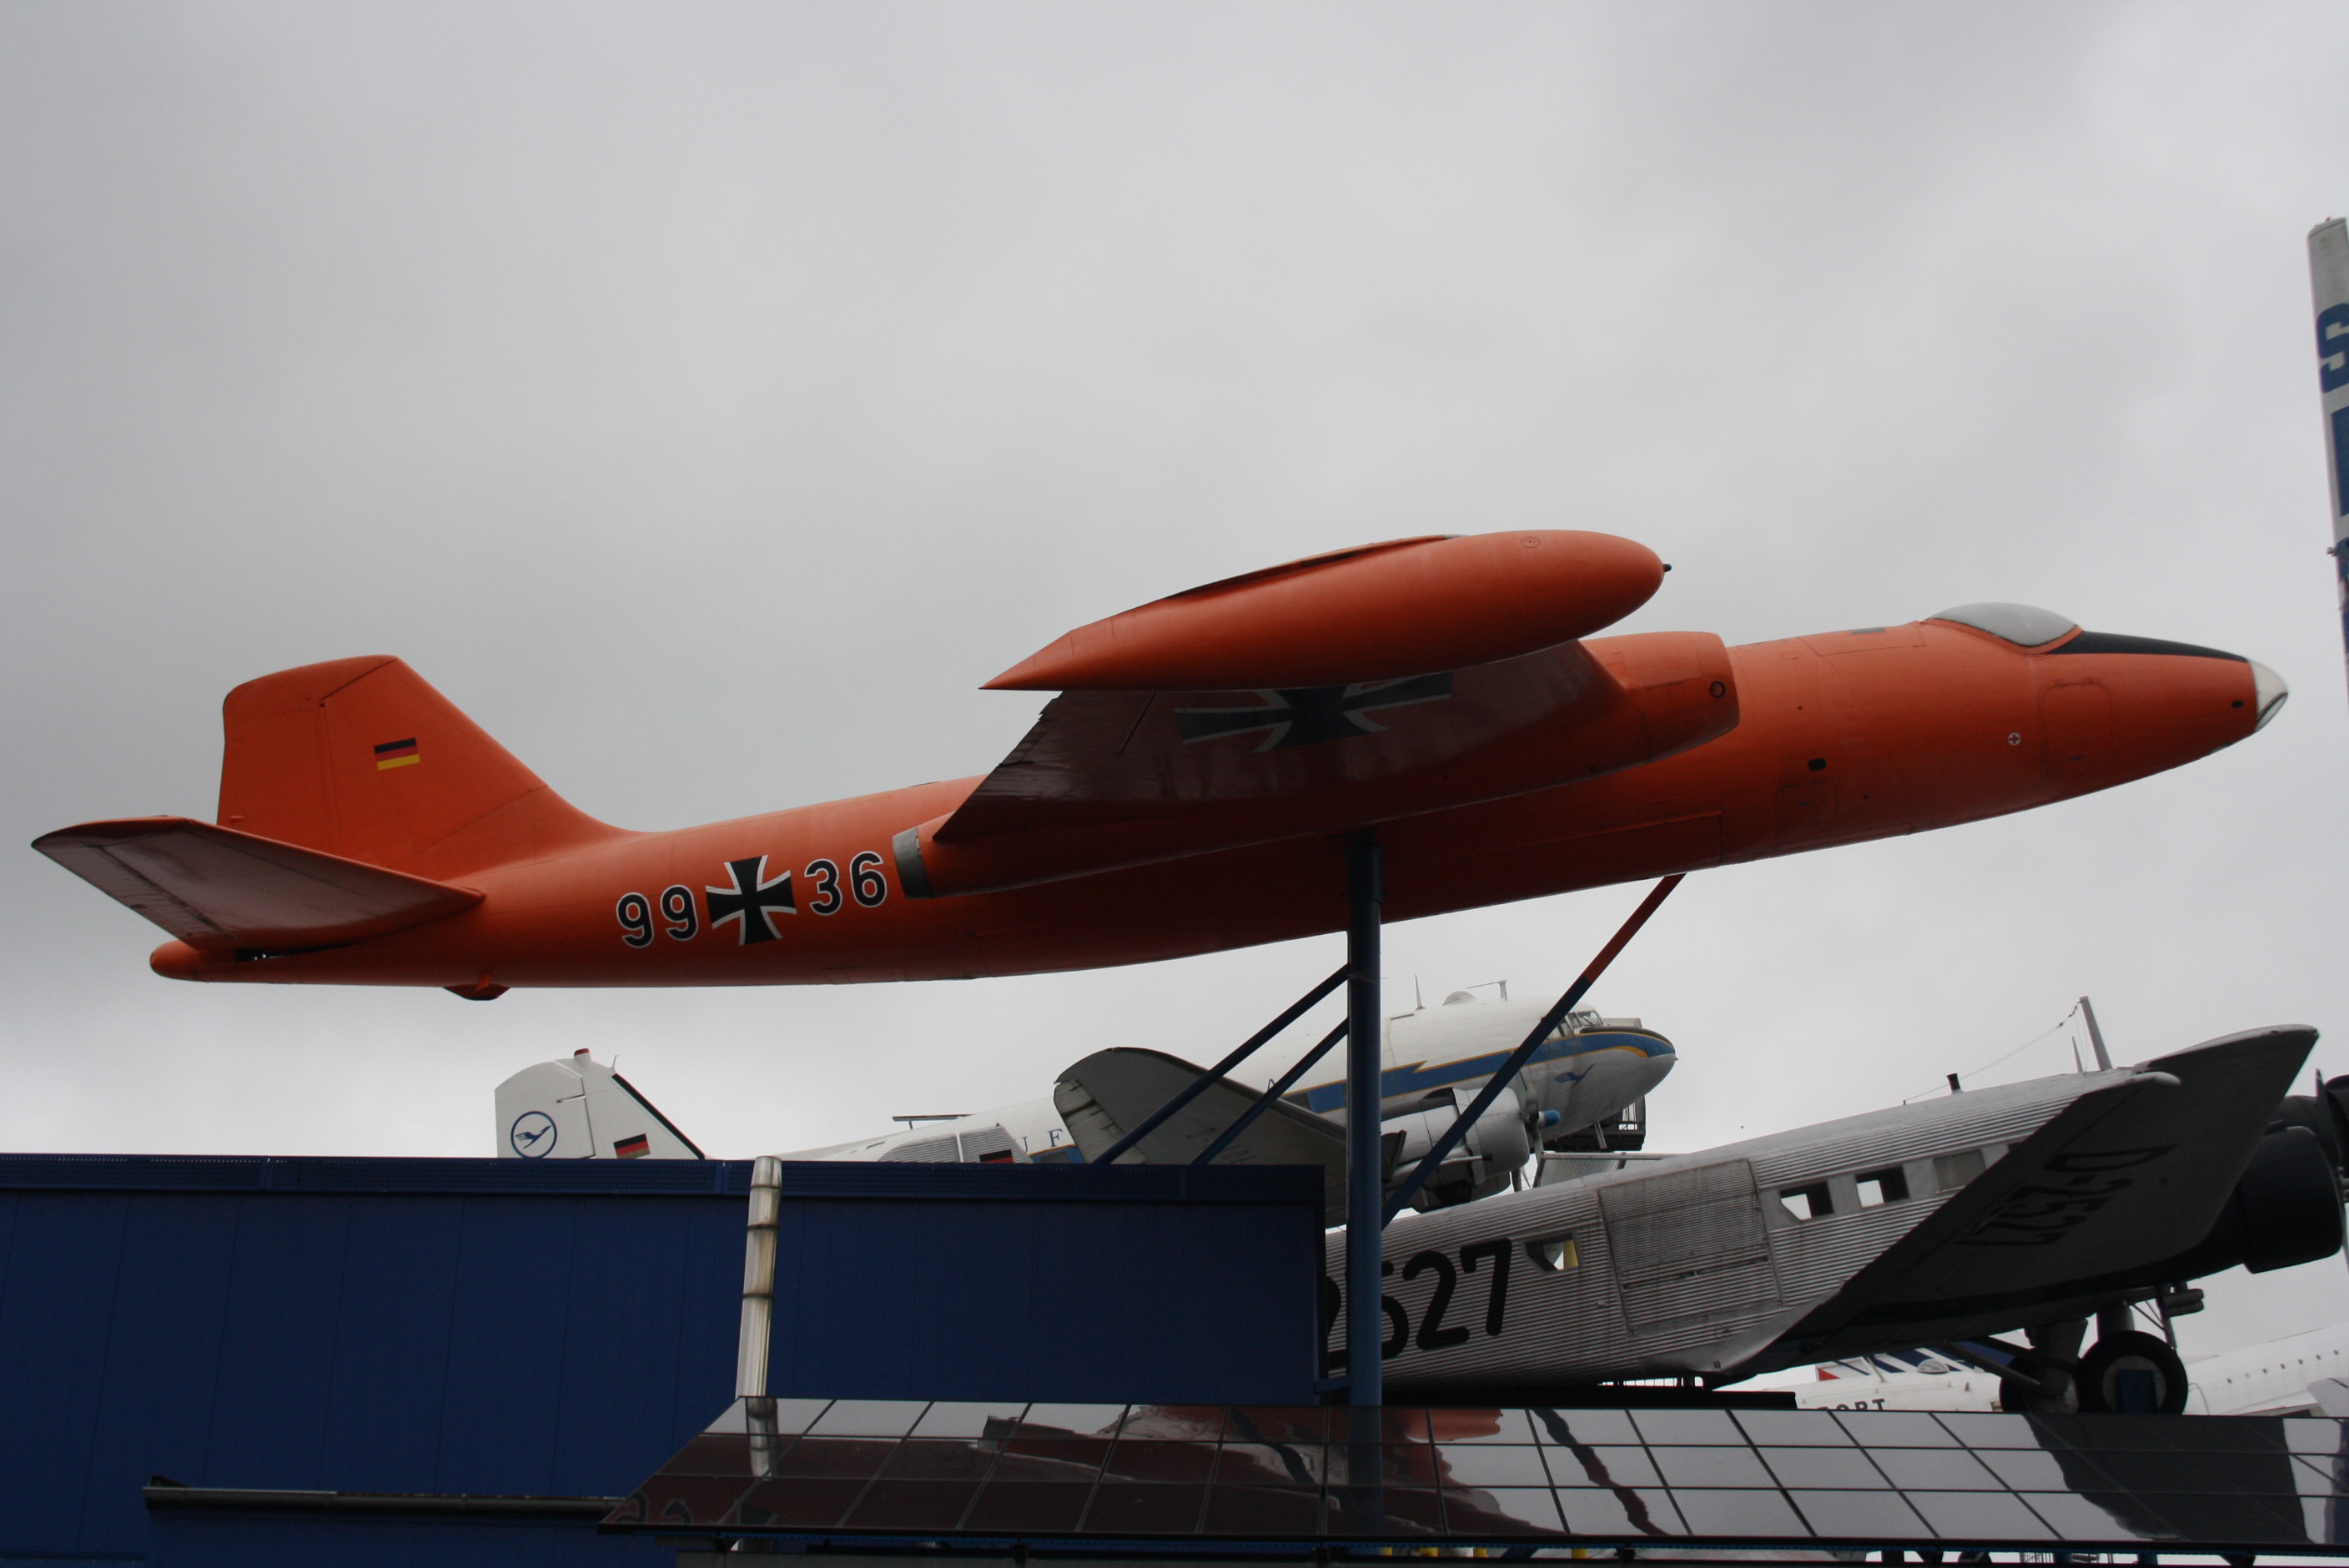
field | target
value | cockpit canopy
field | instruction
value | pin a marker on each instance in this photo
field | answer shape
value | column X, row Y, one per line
column 2025, row 626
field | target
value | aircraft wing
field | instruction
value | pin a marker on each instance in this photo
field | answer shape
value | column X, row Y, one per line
column 1115, row 777
column 1109, row 1091
column 2124, row 1178
column 216, row 889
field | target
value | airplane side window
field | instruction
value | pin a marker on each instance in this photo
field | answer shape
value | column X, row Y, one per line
column 1810, row 1202
column 1556, row 1253
column 1877, row 1187
column 1952, row 1171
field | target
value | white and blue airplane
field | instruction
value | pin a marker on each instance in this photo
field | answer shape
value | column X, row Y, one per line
column 1584, row 1088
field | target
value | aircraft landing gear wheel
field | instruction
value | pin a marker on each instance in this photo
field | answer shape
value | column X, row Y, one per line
column 2132, row 1373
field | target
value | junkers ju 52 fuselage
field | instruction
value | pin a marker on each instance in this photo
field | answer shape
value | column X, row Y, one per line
column 2038, row 1205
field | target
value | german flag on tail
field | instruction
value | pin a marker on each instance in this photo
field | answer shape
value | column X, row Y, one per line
column 634, row 1148
column 396, row 753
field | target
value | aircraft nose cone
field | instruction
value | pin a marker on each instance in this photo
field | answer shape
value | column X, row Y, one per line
column 2268, row 691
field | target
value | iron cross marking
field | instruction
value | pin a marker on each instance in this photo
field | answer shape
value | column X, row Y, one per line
column 749, row 900
column 1308, row 716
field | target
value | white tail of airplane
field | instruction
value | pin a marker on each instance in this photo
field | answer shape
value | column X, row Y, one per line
column 578, row 1108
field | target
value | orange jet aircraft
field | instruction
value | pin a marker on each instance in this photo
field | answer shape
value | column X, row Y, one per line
column 1191, row 790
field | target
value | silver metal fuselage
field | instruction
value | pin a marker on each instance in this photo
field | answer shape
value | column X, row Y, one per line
column 1699, row 1263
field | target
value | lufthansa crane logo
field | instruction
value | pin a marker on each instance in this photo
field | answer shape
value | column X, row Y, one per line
column 533, row 1135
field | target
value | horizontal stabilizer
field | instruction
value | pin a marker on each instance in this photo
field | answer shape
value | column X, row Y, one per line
column 1112, row 1091
column 216, row 889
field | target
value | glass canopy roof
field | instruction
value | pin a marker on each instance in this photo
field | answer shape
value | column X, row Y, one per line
column 1163, row 1476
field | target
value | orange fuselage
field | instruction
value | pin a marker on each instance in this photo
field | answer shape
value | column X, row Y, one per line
column 1840, row 738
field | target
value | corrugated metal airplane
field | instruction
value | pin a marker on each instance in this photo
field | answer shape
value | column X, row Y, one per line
column 2048, row 1205
column 1190, row 790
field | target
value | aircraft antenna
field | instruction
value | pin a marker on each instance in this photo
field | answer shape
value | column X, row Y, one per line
column 2096, row 1037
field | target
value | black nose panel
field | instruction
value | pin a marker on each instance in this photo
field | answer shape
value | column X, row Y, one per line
column 2115, row 642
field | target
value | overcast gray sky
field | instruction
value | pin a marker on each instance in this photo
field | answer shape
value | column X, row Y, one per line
column 707, row 397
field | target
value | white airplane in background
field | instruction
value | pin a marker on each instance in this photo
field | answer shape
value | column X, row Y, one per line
column 1572, row 1094
column 2300, row 1374
column 1893, row 1380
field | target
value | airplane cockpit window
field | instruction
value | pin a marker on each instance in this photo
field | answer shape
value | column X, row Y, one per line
column 2025, row 625
column 1882, row 1187
column 1811, row 1202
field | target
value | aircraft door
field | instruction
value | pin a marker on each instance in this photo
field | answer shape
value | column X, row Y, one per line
column 989, row 1145
column 1691, row 1253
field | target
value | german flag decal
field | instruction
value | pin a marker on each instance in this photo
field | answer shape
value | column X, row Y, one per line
column 634, row 1148
column 396, row 754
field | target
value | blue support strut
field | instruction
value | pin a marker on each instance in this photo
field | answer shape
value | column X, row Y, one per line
column 1280, row 1086
column 1217, row 1073
column 1516, row 1059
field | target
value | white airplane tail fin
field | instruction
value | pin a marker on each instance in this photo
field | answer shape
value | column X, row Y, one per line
column 578, row 1108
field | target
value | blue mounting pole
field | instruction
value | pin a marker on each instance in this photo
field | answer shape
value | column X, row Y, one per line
column 1365, row 1323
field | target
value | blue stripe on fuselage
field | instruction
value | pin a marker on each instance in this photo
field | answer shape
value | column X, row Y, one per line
column 1420, row 1076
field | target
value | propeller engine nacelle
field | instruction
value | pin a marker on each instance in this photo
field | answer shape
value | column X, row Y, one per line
column 1495, row 1148
column 2326, row 1114
column 2286, row 1208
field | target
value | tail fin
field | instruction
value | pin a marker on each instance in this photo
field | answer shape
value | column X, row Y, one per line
column 578, row 1108
column 359, row 758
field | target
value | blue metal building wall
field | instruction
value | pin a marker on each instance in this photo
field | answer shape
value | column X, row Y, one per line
column 440, row 1326
column 561, row 1328
column 1105, row 1284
